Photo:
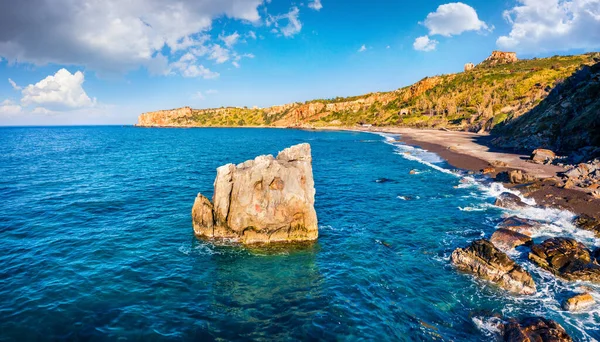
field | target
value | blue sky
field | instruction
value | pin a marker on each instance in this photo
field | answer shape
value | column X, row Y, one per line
column 122, row 59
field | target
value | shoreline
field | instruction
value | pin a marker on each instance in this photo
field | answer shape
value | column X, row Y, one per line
column 467, row 151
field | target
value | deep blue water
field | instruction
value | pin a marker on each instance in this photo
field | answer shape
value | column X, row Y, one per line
column 97, row 243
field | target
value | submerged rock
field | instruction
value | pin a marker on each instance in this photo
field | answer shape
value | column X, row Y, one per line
column 534, row 329
column 262, row 200
column 520, row 225
column 579, row 302
column 509, row 201
column 566, row 258
column 506, row 239
column 486, row 261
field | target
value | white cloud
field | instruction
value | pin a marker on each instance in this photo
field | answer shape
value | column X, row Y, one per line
column 425, row 44
column 362, row 48
column 388, row 47
column 552, row 25
column 9, row 108
column 60, row 91
column 14, row 85
column 231, row 39
column 453, row 19
column 110, row 35
column 293, row 27
column 316, row 5
column 188, row 67
column 235, row 64
column 251, row 34
column 212, row 91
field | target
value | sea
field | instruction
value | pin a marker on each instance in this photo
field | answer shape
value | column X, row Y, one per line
column 97, row 243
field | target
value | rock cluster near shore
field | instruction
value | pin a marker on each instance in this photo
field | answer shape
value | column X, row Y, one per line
column 265, row 200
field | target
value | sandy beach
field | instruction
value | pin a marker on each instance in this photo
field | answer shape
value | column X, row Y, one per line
column 472, row 151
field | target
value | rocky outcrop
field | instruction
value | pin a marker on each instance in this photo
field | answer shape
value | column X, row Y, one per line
column 515, row 177
column 164, row 118
column 585, row 176
column 469, row 67
column 520, row 225
column 542, row 156
column 500, row 57
column 566, row 258
column 534, row 329
column 264, row 200
column 506, row 239
column 484, row 260
column 587, row 222
column 579, row 302
column 509, row 201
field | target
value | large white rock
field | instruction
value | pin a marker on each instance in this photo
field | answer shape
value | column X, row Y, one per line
column 262, row 200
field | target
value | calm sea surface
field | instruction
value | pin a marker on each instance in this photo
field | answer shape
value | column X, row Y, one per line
column 97, row 243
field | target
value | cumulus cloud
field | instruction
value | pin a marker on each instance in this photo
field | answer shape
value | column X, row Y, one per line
column 316, row 5
column 62, row 90
column 9, row 108
column 453, row 19
column 231, row 39
column 363, row 48
column 552, row 25
column 188, row 66
column 293, row 26
column 425, row 44
column 109, row 35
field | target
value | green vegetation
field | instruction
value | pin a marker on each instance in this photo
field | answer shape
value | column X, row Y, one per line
column 476, row 100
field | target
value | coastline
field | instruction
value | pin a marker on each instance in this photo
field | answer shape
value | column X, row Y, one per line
column 468, row 151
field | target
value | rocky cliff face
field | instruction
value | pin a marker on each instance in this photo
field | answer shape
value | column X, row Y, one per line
column 567, row 120
column 500, row 89
column 499, row 57
column 264, row 200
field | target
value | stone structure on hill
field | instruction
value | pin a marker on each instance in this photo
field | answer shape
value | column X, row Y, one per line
column 469, row 67
column 265, row 200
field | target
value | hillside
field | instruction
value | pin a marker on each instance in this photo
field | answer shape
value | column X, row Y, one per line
column 497, row 91
column 567, row 120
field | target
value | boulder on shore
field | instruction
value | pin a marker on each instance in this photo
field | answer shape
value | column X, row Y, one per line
column 566, row 258
column 264, row 200
column 509, row 201
column 486, row 261
column 515, row 177
column 534, row 329
column 579, row 302
column 506, row 239
column 542, row 156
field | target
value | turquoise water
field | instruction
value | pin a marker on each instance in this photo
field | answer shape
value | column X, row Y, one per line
column 97, row 243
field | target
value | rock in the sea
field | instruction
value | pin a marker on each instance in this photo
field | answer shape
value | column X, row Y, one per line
column 520, row 225
column 263, row 200
column 488, row 262
column 579, row 302
column 588, row 223
column 542, row 156
column 534, row 329
column 509, row 201
column 506, row 239
column 566, row 258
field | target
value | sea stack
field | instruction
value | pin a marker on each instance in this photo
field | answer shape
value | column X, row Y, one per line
column 261, row 201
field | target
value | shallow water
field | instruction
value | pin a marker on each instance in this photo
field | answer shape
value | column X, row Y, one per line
column 97, row 243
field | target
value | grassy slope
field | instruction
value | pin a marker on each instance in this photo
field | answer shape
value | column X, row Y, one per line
column 479, row 99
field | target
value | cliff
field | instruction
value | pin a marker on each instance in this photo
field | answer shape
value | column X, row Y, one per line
column 567, row 120
column 496, row 91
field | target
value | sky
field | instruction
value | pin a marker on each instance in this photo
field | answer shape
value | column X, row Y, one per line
column 80, row 62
